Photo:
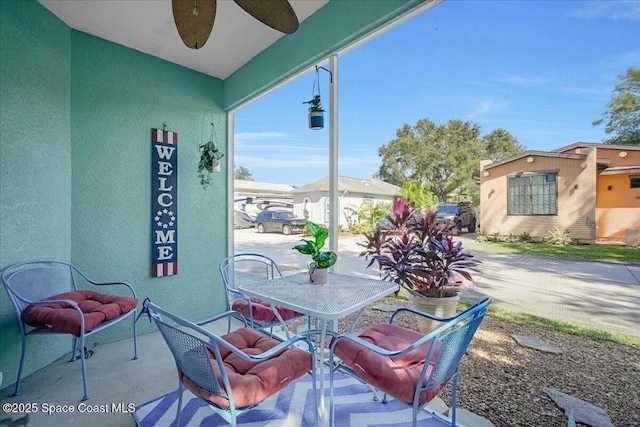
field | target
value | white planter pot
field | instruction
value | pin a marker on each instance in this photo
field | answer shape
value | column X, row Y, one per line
column 441, row 307
column 216, row 165
column 316, row 120
column 317, row 276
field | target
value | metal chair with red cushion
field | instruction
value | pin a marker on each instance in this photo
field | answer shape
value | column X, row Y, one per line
column 47, row 300
column 405, row 364
column 241, row 269
column 232, row 372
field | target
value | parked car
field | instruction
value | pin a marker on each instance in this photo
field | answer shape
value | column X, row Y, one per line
column 383, row 224
column 459, row 215
column 283, row 222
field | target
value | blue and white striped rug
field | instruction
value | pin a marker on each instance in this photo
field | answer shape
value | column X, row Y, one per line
column 291, row 407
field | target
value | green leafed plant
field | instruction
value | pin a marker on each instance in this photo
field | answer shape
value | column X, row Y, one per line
column 314, row 105
column 314, row 247
column 205, row 167
column 559, row 237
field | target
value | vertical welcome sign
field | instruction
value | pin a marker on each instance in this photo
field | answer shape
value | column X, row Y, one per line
column 164, row 205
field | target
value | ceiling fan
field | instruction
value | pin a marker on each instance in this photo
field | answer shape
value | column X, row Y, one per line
column 194, row 18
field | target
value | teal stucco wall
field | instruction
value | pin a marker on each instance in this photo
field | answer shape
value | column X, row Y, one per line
column 77, row 114
column 35, row 159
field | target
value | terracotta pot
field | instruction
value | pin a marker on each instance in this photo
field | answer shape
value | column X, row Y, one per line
column 441, row 307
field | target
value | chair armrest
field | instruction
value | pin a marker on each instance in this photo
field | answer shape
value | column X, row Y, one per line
column 277, row 349
column 381, row 351
column 224, row 315
column 419, row 313
column 267, row 354
column 49, row 301
column 133, row 291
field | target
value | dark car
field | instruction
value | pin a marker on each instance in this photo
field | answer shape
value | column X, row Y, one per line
column 459, row 215
column 282, row 222
column 384, row 224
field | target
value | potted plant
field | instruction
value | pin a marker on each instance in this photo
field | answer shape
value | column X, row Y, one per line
column 419, row 255
column 209, row 162
column 316, row 113
column 321, row 259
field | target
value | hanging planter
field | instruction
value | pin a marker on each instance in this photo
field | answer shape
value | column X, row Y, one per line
column 316, row 112
column 209, row 159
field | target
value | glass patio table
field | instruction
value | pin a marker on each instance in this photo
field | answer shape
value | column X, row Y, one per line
column 340, row 296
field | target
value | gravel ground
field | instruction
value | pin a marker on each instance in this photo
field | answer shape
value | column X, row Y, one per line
column 503, row 381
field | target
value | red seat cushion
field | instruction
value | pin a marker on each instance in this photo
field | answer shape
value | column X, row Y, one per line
column 262, row 311
column 397, row 377
column 252, row 382
column 97, row 308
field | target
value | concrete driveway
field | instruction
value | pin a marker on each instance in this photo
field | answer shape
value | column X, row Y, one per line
column 602, row 295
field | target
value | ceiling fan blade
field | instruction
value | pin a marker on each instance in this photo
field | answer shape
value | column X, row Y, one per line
column 194, row 20
column 277, row 14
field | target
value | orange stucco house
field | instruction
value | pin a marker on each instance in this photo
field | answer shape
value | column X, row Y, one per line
column 593, row 190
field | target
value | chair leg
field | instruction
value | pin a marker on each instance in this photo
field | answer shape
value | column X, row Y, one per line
column 135, row 337
column 83, row 360
column 454, row 393
column 74, row 348
column 180, row 391
column 17, row 391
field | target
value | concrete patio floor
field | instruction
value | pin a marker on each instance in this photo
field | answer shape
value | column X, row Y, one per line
column 113, row 378
column 51, row 397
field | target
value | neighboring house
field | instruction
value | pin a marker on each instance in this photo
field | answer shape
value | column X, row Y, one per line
column 311, row 201
column 593, row 190
column 252, row 197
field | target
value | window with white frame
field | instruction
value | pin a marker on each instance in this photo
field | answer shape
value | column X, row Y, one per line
column 533, row 194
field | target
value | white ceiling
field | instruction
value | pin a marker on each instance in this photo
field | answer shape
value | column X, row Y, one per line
column 147, row 26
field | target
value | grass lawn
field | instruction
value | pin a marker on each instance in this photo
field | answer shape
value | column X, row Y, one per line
column 563, row 327
column 599, row 252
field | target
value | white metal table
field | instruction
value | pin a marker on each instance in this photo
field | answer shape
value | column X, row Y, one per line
column 339, row 297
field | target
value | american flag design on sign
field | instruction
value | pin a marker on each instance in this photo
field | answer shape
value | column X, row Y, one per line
column 164, row 210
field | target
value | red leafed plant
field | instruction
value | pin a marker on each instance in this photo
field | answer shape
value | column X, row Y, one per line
column 419, row 255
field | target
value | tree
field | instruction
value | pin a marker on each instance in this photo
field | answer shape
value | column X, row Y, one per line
column 623, row 111
column 242, row 173
column 441, row 158
column 500, row 144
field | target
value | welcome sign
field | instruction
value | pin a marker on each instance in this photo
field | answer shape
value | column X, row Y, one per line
column 164, row 205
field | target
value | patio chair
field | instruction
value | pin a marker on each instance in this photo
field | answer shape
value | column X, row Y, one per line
column 407, row 365
column 47, row 300
column 234, row 372
column 241, row 269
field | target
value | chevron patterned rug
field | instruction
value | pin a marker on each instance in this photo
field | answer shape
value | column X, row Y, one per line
column 291, row 407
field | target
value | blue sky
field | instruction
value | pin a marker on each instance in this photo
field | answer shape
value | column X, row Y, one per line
column 542, row 70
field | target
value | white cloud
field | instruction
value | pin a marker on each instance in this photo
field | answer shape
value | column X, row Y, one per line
column 599, row 91
column 486, row 106
column 252, row 136
column 608, row 9
column 300, row 161
column 522, row 80
column 241, row 146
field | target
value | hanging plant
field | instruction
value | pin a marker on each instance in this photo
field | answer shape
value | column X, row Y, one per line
column 316, row 112
column 209, row 160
